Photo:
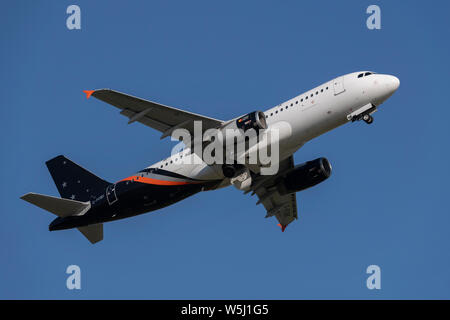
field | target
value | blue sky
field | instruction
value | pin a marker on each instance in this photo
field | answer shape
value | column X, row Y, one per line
column 385, row 204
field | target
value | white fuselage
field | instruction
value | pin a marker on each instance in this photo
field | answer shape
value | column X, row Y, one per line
column 306, row 116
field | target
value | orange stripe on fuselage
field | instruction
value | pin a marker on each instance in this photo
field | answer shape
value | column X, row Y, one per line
column 156, row 181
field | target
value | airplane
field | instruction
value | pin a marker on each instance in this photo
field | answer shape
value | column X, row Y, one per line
column 88, row 201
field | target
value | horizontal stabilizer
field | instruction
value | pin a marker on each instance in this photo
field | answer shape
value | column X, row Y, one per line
column 93, row 232
column 60, row 207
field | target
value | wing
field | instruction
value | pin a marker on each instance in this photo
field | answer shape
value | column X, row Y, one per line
column 157, row 116
column 283, row 207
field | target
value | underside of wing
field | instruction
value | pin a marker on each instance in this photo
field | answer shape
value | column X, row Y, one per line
column 157, row 116
column 283, row 207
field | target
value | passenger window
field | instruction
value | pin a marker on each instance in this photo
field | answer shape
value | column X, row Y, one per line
column 296, row 102
column 306, row 98
column 321, row 90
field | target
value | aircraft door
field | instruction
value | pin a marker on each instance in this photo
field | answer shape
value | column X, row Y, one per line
column 111, row 194
column 338, row 85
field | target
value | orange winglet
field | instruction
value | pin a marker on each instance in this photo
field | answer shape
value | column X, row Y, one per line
column 88, row 93
column 282, row 227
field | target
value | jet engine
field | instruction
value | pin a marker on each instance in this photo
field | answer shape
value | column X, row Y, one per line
column 304, row 176
column 235, row 137
column 235, row 129
column 254, row 120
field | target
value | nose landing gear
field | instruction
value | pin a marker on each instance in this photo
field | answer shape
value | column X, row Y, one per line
column 368, row 118
column 363, row 113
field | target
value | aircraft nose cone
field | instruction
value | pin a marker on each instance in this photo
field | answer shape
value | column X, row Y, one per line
column 394, row 83
column 383, row 87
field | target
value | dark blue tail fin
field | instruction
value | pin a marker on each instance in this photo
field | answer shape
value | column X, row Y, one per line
column 74, row 182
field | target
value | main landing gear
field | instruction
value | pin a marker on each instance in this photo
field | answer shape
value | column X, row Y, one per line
column 367, row 118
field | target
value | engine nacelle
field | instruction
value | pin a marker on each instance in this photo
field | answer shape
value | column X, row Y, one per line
column 242, row 132
column 304, row 176
column 254, row 120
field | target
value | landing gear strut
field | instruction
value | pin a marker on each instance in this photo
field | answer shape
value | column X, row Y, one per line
column 368, row 118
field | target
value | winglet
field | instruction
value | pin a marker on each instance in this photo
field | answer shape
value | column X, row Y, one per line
column 88, row 93
column 282, row 227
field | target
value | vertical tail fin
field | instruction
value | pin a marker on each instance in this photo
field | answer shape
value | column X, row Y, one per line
column 74, row 182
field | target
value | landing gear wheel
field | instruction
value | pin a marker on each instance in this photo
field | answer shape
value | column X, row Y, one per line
column 368, row 119
column 228, row 171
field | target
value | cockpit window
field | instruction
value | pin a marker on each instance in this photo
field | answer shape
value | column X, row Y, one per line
column 365, row 74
